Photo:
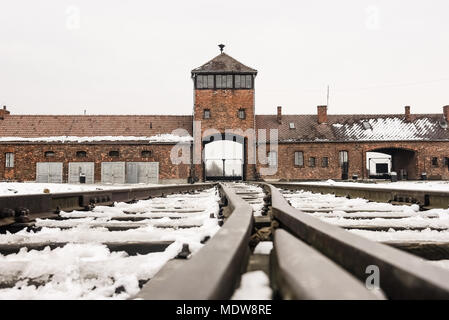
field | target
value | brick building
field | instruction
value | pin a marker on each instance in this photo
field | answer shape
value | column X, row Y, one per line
column 217, row 140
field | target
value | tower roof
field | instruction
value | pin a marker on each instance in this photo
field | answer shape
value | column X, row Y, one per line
column 224, row 63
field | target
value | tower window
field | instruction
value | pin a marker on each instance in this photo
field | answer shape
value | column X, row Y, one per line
column 205, row 82
column 242, row 114
column 206, row 114
column 223, row 81
column 243, row 81
column 114, row 153
column 9, row 160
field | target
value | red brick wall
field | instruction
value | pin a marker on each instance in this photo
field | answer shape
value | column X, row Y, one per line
column 224, row 106
column 424, row 151
column 27, row 155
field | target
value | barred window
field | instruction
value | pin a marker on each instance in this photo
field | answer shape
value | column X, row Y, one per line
column 324, row 162
column 81, row 154
column 272, row 158
column 49, row 154
column 114, row 153
column 9, row 156
column 205, row 82
column 242, row 114
column 312, row 162
column 299, row 158
column 206, row 114
column 223, row 81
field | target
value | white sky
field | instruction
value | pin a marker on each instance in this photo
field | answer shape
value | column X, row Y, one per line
column 135, row 57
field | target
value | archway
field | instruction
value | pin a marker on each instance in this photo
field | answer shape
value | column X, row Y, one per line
column 386, row 160
column 224, row 157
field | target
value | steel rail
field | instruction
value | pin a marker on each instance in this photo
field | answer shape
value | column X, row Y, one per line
column 425, row 198
column 402, row 275
column 38, row 204
column 214, row 271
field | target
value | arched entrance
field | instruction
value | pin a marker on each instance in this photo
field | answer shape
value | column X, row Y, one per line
column 381, row 162
column 224, row 157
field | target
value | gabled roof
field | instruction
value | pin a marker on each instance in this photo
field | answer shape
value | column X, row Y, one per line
column 224, row 63
column 108, row 126
column 343, row 128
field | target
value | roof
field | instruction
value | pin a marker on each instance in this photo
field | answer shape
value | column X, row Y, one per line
column 224, row 63
column 343, row 128
column 124, row 127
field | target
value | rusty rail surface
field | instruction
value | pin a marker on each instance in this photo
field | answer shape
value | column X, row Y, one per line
column 424, row 198
column 14, row 208
column 214, row 271
column 402, row 275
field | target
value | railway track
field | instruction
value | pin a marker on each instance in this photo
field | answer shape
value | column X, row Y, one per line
column 286, row 243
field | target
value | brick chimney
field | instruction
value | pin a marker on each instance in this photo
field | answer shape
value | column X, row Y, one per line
column 279, row 117
column 446, row 113
column 408, row 117
column 3, row 113
column 322, row 114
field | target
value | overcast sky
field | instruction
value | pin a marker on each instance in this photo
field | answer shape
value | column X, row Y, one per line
column 135, row 57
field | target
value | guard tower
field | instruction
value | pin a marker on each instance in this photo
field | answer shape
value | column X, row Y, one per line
column 224, row 100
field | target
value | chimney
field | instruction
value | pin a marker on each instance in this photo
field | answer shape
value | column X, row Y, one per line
column 446, row 113
column 408, row 117
column 279, row 117
column 3, row 113
column 322, row 114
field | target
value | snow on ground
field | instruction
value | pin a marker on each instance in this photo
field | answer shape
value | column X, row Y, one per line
column 85, row 268
column 16, row 188
column 263, row 247
column 404, row 185
column 355, row 213
column 252, row 192
column 254, row 285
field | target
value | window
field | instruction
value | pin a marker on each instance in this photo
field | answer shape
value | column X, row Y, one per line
column 446, row 162
column 343, row 157
column 324, row 162
column 434, row 162
column 367, row 125
column 146, row 153
column 49, row 154
column 114, row 153
column 299, row 158
column 206, row 114
column 223, row 81
column 242, row 114
column 272, row 158
column 243, row 81
column 81, row 154
column 292, row 125
column 312, row 162
column 9, row 156
column 205, row 82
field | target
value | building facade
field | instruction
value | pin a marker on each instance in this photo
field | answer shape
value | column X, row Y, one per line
column 224, row 138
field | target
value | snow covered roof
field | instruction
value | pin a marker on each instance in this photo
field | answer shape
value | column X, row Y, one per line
column 95, row 128
column 423, row 127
